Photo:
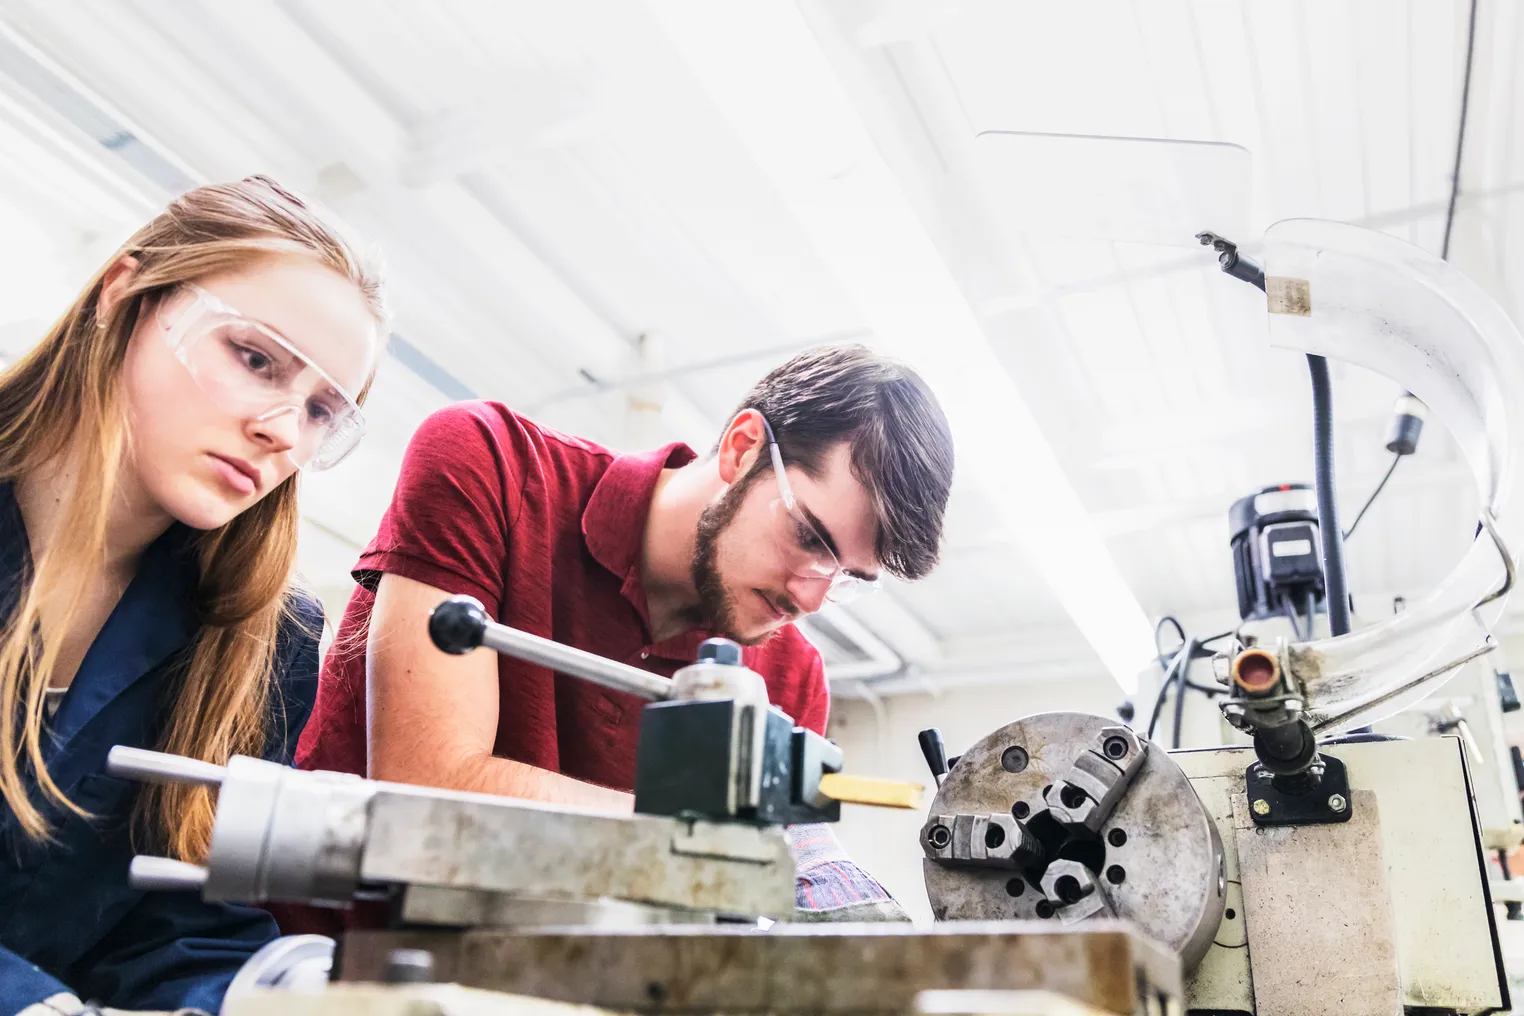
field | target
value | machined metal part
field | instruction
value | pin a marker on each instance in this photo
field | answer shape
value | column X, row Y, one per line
column 814, row 757
column 284, row 834
column 1075, row 892
column 745, row 689
column 1319, row 796
column 793, row 969
column 1156, row 853
column 1085, row 795
column 156, row 767
column 987, row 841
column 519, row 849
column 473, row 908
column 521, row 645
column 317, row 837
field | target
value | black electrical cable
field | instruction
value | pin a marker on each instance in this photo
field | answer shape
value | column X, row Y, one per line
column 1289, row 610
column 1372, row 499
column 1175, row 672
column 1328, row 506
column 1187, row 651
column 1460, row 133
column 1322, row 465
column 1175, row 666
column 1159, row 628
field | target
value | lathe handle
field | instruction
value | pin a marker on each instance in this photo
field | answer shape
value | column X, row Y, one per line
column 460, row 625
column 935, row 752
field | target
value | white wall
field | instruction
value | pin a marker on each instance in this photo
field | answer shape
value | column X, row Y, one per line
column 884, row 842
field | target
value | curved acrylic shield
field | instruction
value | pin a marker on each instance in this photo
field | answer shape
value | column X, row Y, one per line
column 1377, row 301
column 1134, row 190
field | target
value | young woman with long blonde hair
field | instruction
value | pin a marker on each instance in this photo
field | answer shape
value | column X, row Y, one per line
column 149, row 451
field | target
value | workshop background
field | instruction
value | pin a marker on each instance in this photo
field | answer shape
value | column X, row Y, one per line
column 616, row 215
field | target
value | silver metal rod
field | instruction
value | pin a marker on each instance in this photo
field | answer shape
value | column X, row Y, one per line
column 164, row 874
column 156, row 767
column 587, row 666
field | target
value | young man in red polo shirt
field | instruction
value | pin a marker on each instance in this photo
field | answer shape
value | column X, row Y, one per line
column 638, row 558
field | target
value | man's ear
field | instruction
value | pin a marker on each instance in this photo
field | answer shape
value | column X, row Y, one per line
column 115, row 284
column 743, row 441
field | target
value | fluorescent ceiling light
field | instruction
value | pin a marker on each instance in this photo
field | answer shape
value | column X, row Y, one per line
column 763, row 67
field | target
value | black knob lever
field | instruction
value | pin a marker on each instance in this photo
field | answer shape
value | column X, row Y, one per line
column 935, row 753
column 458, row 625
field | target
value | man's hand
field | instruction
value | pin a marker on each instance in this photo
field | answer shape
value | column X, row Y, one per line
column 432, row 718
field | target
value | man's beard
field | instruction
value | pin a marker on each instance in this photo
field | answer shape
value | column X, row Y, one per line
column 716, row 607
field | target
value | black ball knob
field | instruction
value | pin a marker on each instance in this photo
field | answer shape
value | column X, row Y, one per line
column 458, row 625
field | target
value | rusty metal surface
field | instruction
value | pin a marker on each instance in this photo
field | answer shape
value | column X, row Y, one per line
column 1158, row 835
column 477, row 843
column 791, row 968
column 1319, row 914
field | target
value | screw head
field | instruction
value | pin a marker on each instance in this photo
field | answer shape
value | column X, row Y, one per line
column 1337, row 804
column 1261, row 806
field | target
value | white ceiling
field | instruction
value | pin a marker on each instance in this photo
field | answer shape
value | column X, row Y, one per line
column 574, row 227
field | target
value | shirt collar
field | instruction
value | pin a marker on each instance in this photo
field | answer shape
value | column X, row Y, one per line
column 614, row 521
column 155, row 616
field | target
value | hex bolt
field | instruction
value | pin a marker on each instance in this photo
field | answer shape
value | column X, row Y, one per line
column 1261, row 806
column 1116, row 748
column 1337, row 804
column 940, row 836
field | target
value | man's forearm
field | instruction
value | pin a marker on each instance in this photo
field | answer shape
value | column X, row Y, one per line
column 488, row 774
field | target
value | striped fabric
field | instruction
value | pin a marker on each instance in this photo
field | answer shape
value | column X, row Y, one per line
column 826, row 878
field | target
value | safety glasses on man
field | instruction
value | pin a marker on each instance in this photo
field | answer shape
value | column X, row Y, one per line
column 251, row 370
column 807, row 552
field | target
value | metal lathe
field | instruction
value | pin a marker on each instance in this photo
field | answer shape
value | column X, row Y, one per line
column 1073, row 864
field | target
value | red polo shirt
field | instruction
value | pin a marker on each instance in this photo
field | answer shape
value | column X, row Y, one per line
column 546, row 531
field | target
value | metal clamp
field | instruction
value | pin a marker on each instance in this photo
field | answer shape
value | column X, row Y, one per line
column 1087, row 793
column 1074, row 892
column 985, row 841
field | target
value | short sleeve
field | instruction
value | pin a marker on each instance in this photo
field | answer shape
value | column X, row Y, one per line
column 457, row 496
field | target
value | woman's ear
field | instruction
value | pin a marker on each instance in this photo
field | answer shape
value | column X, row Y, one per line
column 115, row 284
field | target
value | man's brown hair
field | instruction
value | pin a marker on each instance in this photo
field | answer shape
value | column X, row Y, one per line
column 901, row 445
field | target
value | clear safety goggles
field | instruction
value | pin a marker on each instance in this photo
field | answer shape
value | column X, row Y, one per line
column 251, row 371
column 806, row 552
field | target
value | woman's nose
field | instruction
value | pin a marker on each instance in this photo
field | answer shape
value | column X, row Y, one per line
column 277, row 430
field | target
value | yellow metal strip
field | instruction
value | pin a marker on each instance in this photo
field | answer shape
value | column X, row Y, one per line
column 867, row 790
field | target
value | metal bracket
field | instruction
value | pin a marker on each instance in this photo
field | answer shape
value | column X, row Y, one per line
column 1311, row 798
column 1490, row 524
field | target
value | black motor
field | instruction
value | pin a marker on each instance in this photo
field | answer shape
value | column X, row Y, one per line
column 1277, row 552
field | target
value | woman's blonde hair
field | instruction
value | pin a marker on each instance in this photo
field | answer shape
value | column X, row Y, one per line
column 65, row 398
